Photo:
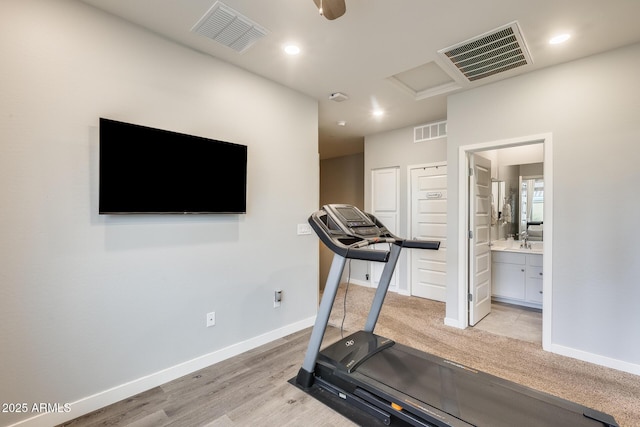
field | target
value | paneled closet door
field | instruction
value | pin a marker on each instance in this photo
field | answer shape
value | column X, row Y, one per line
column 385, row 201
column 479, row 238
column 428, row 189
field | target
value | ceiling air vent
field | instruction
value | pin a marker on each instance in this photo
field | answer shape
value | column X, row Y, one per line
column 430, row 131
column 229, row 27
column 497, row 51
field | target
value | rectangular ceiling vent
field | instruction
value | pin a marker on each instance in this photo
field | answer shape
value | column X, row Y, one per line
column 430, row 131
column 497, row 51
column 229, row 27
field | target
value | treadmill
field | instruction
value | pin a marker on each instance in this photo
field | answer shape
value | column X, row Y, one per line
column 396, row 384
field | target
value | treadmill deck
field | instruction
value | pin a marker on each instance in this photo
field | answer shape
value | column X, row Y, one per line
column 421, row 382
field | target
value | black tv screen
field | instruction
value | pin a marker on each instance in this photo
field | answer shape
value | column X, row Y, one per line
column 147, row 170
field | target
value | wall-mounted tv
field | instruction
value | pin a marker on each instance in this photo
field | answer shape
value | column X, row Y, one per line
column 148, row 170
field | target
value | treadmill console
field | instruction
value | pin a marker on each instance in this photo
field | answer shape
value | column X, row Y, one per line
column 352, row 220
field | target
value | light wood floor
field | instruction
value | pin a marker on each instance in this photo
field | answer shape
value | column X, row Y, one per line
column 251, row 389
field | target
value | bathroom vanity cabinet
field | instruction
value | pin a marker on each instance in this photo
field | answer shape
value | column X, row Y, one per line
column 516, row 278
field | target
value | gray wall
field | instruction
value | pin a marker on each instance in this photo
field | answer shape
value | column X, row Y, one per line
column 341, row 181
column 397, row 149
column 591, row 107
column 90, row 303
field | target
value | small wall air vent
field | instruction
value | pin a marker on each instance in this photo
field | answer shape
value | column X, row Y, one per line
column 430, row 131
column 497, row 51
column 229, row 27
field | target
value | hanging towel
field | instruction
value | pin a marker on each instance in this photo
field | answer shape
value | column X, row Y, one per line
column 506, row 214
column 494, row 214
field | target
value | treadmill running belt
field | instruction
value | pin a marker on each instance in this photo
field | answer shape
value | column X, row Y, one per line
column 474, row 397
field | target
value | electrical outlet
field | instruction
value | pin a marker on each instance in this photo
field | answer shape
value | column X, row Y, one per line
column 277, row 298
column 211, row 319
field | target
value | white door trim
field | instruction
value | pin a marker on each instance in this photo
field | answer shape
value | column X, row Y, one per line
column 463, row 212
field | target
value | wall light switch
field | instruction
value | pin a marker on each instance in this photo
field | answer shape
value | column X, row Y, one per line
column 304, row 229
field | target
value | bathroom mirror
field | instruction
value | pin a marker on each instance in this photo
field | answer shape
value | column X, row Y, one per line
column 497, row 194
column 532, row 207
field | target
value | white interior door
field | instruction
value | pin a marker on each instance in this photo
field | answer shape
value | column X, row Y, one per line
column 479, row 238
column 385, row 187
column 429, row 222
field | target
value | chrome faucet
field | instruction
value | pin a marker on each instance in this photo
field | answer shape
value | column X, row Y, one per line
column 524, row 239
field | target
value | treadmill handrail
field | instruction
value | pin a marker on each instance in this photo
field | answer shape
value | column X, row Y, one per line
column 421, row 244
column 335, row 239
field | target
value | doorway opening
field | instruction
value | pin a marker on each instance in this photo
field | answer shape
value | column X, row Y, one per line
column 513, row 321
column 465, row 237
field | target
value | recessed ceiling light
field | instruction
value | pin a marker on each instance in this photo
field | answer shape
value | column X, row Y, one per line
column 342, row 123
column 560, row 38
column 291, row 49
column 378, row 113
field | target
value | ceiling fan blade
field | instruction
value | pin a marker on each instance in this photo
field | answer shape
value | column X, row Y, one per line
column 331, row 9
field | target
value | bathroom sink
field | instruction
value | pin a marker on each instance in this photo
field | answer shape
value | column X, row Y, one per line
column 514, row 246
column 505, row 244
column 536, row 246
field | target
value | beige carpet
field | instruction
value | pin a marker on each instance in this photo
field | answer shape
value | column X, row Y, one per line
column 419, row 323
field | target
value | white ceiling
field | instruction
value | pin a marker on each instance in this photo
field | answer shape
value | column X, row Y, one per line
column 359, row 53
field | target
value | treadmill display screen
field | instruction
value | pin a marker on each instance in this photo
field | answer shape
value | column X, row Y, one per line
column 349, row 214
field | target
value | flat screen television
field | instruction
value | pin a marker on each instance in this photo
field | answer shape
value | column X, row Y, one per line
column 148, row 170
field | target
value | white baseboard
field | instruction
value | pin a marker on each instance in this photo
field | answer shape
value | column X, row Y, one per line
column 450, row 321
column 107, row 397
column 596, row 359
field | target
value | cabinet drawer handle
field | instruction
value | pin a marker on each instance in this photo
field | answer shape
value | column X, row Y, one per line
column 541, row 274
column 522, row 270
column 540, row 291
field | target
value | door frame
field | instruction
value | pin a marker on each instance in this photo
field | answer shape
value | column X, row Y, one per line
column 463, row 221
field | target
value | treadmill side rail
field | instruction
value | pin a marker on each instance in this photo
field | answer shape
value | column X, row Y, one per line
column 370, row 409
column 605, row 419
column 428, row 417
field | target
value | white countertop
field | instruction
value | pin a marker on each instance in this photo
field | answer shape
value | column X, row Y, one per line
column 514, row 246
